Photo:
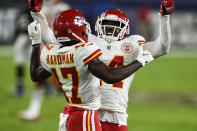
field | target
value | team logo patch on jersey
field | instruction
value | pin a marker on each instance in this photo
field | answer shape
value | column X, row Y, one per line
column 127, row 47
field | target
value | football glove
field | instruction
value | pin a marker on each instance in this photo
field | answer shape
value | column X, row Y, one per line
column 167, row 7
column 47, row 34
column 35, row 5
column 144, row 56
column 34, row 31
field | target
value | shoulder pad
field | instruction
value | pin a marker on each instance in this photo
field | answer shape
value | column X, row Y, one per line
column 138, row 38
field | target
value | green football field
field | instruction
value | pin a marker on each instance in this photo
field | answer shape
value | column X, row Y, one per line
column 163, row 97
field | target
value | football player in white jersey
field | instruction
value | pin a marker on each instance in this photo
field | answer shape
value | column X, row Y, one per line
column 50, row 8
column 112, row 28
column 74, row 61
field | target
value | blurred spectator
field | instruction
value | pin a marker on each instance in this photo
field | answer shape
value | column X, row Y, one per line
column 144, row 23
column 51, row 9
column 21, row 48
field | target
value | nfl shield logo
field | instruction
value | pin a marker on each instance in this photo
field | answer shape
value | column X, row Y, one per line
column 108, row 47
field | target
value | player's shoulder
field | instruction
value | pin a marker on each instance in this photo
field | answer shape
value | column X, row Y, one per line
column 136, row 38
column 98, row 41
column 49, row 47
column 93, row 38
column 45, row 50
column 86, row 45
column 87, row 51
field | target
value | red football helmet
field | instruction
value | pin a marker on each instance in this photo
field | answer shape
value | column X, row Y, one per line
column 71, row 25
column 112, row 25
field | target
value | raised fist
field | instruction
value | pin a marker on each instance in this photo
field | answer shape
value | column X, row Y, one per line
column 34, row 32
column 144, row 56
column 167, row 7
column 35, row 5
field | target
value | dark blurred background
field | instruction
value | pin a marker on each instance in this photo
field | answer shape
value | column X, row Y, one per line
column 184, row 19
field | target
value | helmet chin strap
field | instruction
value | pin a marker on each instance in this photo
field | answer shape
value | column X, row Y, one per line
column 78, row 37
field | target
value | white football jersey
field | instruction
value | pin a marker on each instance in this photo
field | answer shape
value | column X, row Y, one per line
column 114, row 97
column 69, row 65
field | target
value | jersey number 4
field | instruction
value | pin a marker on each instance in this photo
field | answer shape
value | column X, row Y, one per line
column 74, row 98
column 115, row 62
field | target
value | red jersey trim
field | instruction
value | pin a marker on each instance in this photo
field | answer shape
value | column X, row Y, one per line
column 49, row 47
column 93, row 56
column 141, row 42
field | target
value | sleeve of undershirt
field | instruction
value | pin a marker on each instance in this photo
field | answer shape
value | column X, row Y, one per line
column 161, row 45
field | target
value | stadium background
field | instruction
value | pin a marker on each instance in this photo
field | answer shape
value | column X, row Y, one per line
column 163, row 96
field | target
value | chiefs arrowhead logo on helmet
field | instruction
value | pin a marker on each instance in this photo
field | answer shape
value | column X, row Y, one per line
column 71, row 25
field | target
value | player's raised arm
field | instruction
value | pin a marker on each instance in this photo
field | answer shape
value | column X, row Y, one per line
column 161, row 45
column 113, row 75
column 47, row 34
column 37, row 72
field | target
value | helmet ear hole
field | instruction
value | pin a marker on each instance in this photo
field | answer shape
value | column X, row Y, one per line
column 64, row 32
column 83, row 33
